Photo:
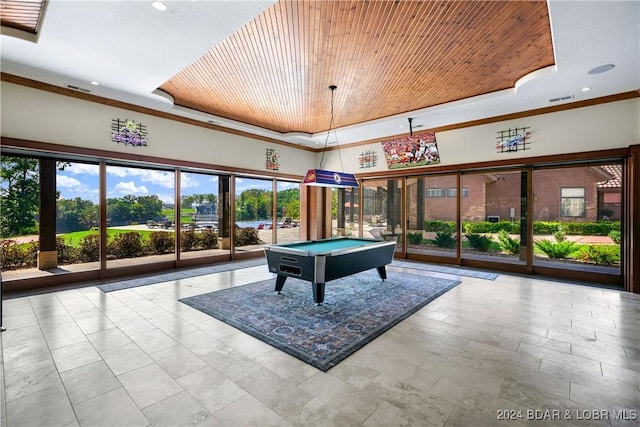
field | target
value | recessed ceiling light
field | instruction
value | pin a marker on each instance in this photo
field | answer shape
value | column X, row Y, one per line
column 159, row 5
column 95, row 83
column 586, row 89
column 601, row 69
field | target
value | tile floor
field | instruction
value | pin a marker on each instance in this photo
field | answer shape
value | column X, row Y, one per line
column 514, row 351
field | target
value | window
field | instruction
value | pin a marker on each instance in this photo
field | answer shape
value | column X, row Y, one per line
column 452, row 192
column 572, row 201
column 436, row 192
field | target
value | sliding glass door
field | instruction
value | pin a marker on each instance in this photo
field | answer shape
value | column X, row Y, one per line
column 432, row 227
column 491, row 207
column 382, row 213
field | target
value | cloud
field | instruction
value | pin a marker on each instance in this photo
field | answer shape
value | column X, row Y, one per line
column 82, row 168
column 161, row 178
column 188, row 180
column 252, row 184
column 285, row 185
column 67, row 182
column 130, row 188
column 166, row 198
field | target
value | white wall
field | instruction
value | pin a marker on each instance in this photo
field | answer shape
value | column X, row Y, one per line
column 37, row 115
column 600, row 127
column 42, row 116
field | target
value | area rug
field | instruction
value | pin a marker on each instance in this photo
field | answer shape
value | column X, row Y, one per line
column 356, row 310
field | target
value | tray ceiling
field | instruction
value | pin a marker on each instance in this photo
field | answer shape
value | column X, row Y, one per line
column 386, row 58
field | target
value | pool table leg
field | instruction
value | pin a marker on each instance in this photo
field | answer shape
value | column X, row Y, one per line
column 318, row 293
column 382, row 272
column 280, row 282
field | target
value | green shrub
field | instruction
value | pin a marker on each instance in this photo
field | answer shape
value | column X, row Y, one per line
column 479, row 242
column 616, row 236
column 602, row 255
column 208, row 239
column 16, row 256
column 66, row 254
column 414, row 238
column 188, row 241
column 437, row 225
column 545, row 227
column 444, row 239
column 508, row 244
column 601, row 228
column 89, row 250
column 491, row 227
column 126, row 245
column 560, row 235
column 247, row 236
column 557, row 250
column 161, row 242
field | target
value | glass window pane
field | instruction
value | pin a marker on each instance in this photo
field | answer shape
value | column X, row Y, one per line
column 77, row 215
column 345, row 211
column 19, row 210
column 140, row 216
column 382, row 210
column 577, row 214
column 432, row 223
column 491, row 216
column 288, row 208
column 254, row 214
column 199, row 216
column 572, row 192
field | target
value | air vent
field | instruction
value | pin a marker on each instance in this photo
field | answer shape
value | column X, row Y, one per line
column 78, row 88
column 562, row 98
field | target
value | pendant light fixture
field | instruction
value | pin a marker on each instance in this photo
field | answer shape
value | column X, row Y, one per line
column 326, row 178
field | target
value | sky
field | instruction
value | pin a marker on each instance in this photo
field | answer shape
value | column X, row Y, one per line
column 81, row 180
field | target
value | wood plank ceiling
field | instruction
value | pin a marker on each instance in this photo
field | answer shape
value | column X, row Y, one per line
column 21, row 14
column 386, row 57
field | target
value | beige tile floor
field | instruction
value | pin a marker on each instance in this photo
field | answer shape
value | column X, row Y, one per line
column 514, row 351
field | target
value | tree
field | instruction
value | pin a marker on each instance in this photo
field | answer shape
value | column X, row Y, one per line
column 19, row 195
column 253, row 204
column 118, row 211
column 146, row 208
column 75, row 214
column 289, row 203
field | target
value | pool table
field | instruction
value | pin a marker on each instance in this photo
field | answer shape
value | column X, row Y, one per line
column 320, row 261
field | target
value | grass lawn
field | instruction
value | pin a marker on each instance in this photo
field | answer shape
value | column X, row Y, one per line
column 74, row 239
column 186, row 215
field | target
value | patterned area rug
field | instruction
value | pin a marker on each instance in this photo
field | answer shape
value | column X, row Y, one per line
column 356, row 310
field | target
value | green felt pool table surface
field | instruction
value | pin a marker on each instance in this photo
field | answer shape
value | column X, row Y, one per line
column 328, row 245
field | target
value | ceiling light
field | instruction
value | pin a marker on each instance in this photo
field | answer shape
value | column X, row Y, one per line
column 159, row 5
column 601, row 69
column 586, row 89
column 326, row 178
column 95, row 83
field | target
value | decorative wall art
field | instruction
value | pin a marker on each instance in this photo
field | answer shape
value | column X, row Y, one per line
column 512, row 140
column 128, row 132
column 409, row 151
column 368, row 159
column 272, row 159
